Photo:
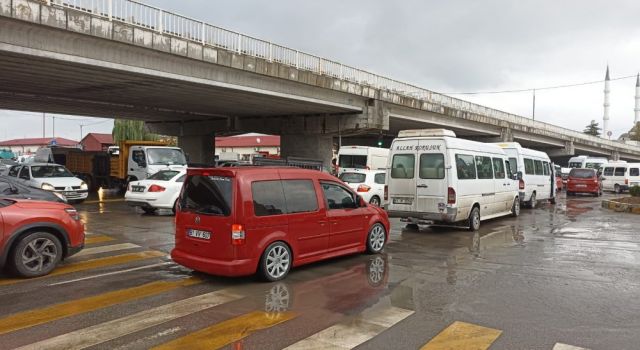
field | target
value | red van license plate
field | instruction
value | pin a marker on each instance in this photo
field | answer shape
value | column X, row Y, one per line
column 198, row 234
column 581, row 185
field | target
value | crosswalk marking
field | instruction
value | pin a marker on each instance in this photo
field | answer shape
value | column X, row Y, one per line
column 95, row 239
column 106, row 249
column 94, row 335
column 463, row 336
column 227, row 332
column 347, row 335
column 112, row 273
column 91, row 264
column 75, row 307
column 560, row 346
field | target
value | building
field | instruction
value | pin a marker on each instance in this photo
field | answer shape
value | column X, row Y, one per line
column 97, row 142
column 29, row 146
column 247, row 145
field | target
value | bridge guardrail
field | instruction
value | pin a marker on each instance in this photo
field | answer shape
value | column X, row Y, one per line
column 141, row 15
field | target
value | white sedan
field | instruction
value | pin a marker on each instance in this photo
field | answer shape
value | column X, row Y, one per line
column 367, row 183
column 158, row 191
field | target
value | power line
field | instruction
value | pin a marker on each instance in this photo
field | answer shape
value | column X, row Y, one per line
column 536, row 88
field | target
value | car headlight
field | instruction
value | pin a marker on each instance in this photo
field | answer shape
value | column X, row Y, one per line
column 60, row 196
column 47, row 187
column 83, row 186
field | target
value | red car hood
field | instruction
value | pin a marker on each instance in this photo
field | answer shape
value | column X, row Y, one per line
column 31, row 204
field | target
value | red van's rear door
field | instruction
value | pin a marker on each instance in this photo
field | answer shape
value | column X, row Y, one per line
column 203, row 223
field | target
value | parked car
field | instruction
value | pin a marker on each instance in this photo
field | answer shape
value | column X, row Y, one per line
column 37, row 235
column 584, row 181
column 10, row 188
column 367, row 183
column 52, row 177
column 435, row 178
column 239, row 221
column 620, row 176
column 158, row 191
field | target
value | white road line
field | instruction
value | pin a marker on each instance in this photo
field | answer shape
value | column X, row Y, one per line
column 112, row 273
column 348, row 335
column 106, row 249
column 100, row 333
column 560, row 346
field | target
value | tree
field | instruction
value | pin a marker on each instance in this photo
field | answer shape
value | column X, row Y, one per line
column 593, row 129
column 125, row 129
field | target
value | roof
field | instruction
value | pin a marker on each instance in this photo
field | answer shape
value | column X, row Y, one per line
column 101, row 138
column 60, row 141
column 248, row 141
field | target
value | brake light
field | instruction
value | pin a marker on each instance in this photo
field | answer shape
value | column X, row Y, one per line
column 363, row 188
column 73, row 213
column 451, row 196
column 156, row 188
column 521, row 184
column 367, row 167
column 626, row 181
column 237, row 235
column 386, row 192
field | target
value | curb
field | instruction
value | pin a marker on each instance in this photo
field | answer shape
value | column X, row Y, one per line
column 621, row 207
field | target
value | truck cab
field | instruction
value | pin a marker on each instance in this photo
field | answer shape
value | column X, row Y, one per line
column 144, row 161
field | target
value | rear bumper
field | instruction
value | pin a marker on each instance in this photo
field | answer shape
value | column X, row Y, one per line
column 587, row 189
column 230, row 268
column 448, row 216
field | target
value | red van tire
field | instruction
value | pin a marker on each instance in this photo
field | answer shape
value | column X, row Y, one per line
column 376, row 239
column 275, row 262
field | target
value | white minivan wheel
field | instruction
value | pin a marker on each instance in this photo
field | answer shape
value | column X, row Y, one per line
column 474, row 219
column 515, row 208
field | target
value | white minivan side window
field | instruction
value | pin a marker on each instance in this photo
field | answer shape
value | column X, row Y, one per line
column 465, row 166
column 498, row 168
column 619, row 171
column 634, row 172
column 528, row 167
column 546, row 169
column 485, row 168
column 403, row 166
column 432, row 166
column 608, row 171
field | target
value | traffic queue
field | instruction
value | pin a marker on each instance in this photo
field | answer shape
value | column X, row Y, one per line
column 236, row 220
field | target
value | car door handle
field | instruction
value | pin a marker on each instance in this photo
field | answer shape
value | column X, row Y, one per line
column 422, row 186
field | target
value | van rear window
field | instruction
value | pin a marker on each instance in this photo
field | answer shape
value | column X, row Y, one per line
column 582, row 173
column 352, row 161
column 432, row 166
column 208, row 195
column 353, row 178
column 403, row 166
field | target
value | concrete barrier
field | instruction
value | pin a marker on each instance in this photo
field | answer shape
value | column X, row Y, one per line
column 621, row 207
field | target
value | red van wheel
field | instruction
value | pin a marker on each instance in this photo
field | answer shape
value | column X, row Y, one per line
column 275, row 262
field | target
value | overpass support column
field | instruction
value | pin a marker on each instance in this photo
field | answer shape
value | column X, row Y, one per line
column 316, row 146
column 568, row 150
column 198, row 148
column 615, row 156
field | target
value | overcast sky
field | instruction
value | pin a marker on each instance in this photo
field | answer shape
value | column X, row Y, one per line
column 445, row 46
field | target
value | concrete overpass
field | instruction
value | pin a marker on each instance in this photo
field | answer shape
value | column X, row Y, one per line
column 118, row 58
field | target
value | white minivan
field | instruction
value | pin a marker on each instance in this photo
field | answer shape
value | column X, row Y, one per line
column 535, row 173
column 587, row 162
column 435, row 178
column 362, row 157
column 620, row 176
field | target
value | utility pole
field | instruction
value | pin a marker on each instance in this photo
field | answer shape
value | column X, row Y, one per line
column 534, row 104
column 43, row 124
column 81, row 125
column 54, row 127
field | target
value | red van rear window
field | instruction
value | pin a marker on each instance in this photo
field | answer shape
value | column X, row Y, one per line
column 210, row 195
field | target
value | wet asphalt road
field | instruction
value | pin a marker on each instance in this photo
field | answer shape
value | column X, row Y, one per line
column 568, row 273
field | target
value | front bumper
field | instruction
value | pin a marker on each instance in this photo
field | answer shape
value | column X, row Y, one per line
column 74, row 250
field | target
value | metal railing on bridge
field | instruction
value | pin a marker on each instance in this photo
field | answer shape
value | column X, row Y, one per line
column 153, row 18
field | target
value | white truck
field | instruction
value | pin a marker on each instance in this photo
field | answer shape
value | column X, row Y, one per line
column 351, row 158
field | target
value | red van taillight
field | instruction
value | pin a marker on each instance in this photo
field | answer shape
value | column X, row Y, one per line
column 156, row 188
column 521, row 184
column 363, row 188
column 451, row 196
column 237, row 235
column 386, row 192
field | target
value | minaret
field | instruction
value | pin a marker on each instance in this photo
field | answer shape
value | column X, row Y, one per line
column 605, row 118
column 637, row 109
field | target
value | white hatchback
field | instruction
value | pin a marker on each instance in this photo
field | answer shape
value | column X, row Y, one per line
column 367, row 183
column 158, row 191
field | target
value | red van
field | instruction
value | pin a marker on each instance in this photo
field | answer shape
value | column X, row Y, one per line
column 239, row 221
column 584, row 181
